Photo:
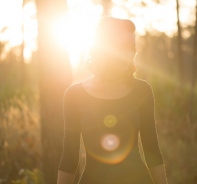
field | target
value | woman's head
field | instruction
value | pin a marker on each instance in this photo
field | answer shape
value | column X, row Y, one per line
column 112, row 53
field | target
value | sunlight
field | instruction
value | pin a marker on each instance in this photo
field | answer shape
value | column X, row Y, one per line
column 118, row 12
column 13, row 22
column 27, row 54
column 75, row 31
column 30, row 26
column 10, row 15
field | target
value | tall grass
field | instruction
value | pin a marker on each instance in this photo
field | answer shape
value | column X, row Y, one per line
column 20, row 137
column 176, row 133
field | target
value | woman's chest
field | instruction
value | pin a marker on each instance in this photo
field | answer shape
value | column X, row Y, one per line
column 109, row 129
column 109, row 115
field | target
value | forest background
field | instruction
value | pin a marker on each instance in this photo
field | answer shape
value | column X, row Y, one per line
column 43, row 47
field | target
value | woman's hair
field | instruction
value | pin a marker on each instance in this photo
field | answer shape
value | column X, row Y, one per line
column 108, row 36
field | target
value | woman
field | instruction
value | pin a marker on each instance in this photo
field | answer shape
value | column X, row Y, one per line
column 111, row 108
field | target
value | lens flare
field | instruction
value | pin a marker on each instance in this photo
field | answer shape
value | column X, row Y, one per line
column 110, row 121
column 113, row 149
column 110, row 142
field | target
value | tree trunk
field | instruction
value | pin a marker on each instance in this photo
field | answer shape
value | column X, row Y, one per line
column 193, row 80
column 106, row 7
column 179, row 42
column 23, row 75
column 54, row 77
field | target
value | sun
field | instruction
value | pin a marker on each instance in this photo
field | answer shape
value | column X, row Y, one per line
column 75, row 33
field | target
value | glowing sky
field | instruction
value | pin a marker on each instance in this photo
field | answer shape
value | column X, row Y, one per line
column 84, row 15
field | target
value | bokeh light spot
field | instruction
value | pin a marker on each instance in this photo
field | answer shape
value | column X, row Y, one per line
column 110, row 121
column 110, row 142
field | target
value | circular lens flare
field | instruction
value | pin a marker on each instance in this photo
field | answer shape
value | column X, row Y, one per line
column 110, row 121
column 110, row 142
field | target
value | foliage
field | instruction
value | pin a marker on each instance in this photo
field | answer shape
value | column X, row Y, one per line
column 20, row 144
column 30, row 177
column 20, row 141
column 176, row 133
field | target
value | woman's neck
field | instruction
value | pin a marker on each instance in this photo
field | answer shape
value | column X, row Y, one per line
column 110, row 84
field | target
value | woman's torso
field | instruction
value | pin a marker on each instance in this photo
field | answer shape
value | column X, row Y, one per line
column 110, row 129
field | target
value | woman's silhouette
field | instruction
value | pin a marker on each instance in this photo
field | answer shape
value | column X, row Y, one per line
column 111, row 109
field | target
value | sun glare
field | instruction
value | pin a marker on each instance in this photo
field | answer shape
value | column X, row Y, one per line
column 75, row 31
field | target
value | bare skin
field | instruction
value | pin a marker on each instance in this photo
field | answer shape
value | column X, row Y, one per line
column 104, row 89
column 158, row 174
column 65, row 178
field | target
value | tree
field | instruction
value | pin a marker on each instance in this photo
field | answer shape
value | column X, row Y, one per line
column 193, row 80
column 106, row 7
column 179, row 42
column 54, row 76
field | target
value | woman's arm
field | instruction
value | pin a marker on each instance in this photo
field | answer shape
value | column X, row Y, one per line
column 71, row 141
column 158, row 174
column 148, row 135
column 65, row 178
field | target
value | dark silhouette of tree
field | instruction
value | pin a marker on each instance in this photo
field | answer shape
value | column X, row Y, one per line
column 2, row 43
column 106, row 7
column 193, row 70
column 23, row 76
column 54, row 78
column 179, row 45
